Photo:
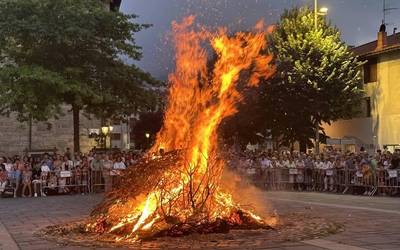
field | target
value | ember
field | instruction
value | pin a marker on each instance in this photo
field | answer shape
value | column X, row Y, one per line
column 179, row 192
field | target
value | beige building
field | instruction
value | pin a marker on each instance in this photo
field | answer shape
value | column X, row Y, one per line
column 379, row 124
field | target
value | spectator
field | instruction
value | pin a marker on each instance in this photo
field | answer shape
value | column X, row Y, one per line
column 119, row 164
column 47, row 161
column 18, row 169
column 27, row 180
column 3, row 177
column 107, row 167
column 96, row 166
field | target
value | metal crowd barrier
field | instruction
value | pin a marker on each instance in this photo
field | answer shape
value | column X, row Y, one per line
column 64, row 181
column 334, row 180
column 101, row 181
column 88, row 181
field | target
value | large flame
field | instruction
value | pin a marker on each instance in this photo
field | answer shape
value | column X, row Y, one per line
column 199, row 99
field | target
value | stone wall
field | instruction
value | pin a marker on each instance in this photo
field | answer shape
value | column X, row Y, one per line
column 45, row 135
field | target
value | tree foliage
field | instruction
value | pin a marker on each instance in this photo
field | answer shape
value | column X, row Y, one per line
column 249, row 122
column 317, row 80
column 149, row 123
column 69, row 52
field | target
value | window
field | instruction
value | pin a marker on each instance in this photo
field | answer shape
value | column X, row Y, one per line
column 370, row 71
column 115, row 136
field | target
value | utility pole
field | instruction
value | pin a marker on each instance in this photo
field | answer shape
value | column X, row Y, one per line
column 322, row 12
column 30, row 133
column 315, row 14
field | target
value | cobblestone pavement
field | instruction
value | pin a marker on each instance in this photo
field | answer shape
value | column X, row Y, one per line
column 370, row 223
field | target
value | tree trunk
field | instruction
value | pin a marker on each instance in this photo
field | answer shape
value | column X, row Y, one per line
column 316, row 138
column 75, row 117
column 303, row 145
column 30, row 133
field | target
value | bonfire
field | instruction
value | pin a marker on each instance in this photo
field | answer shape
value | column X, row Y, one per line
column 176, row 189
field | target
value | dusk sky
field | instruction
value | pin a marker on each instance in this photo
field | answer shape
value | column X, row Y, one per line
column 358, row 21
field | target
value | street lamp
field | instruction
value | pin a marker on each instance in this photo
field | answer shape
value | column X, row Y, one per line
column 322, row 12
column 106, row 130
column 147, row 135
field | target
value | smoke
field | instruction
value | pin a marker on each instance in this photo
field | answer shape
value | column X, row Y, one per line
column 250, row 197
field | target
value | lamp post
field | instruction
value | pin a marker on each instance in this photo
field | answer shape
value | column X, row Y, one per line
column 106, row 130
column 322, row 12
column 148, row 139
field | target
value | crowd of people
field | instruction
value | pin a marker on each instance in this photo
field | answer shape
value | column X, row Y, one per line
column 29, row 176
column 331, row 170
column 322, row 172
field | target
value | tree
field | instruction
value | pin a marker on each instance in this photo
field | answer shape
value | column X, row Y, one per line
column 69, row 52
column 149, row 123
column 249, row 122
column 317, row 80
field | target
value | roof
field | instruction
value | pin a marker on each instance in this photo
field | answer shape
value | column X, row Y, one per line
column 369, row 49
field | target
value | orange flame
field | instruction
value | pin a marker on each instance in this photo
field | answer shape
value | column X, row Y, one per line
column 198, row 101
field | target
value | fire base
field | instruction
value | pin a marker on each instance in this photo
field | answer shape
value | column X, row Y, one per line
column 139, row 182
column 292, row 227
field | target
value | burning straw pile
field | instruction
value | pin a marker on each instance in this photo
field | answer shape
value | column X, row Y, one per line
column 179, row 192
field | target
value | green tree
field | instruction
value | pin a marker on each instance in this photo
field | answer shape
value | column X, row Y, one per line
column 317, row 78
column 249, row 122
column 69, row 52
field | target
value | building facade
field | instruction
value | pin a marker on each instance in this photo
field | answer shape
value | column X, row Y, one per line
column 378, row 125
column 45, row 136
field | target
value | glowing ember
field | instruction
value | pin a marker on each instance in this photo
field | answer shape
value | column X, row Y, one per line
column 186, row 195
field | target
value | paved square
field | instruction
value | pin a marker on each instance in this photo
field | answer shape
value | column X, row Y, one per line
column 370, row 223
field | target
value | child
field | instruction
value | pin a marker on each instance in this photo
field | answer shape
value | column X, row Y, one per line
column 27, row 180
column 18, row 169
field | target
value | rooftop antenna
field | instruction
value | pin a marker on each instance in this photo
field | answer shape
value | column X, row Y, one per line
column 386, row 11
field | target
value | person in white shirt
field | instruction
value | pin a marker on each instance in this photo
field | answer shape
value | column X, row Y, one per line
column 107, row 167
column 286, row 163
column 40, row 183
column 66, row 165
column 77, row 161
column 279, row 163
column 328, row 178
column 119, row 164
column 292, row 172
column 319, row 164
column 265, row 163
column 300, row 165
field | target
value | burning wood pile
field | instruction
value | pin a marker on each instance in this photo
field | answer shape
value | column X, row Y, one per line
column 179, row 192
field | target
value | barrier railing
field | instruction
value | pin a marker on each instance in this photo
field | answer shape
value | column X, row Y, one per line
column 76, row 181
column 63, row 181
column 104, row 180
column 334, row 180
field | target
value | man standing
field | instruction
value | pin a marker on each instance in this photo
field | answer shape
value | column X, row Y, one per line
column 96, row 166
